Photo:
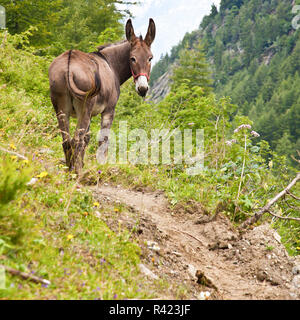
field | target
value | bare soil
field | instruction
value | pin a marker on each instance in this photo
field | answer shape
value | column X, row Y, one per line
column 203, row 255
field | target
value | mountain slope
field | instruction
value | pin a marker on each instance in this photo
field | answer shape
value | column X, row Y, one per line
column 254, row 54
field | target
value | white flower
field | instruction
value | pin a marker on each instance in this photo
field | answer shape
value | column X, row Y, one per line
column 255, row 134
column 230, row 142
column 242, row 126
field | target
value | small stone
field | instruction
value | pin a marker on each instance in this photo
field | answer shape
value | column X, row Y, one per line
column 155, row 248
column 192, row 270
column 147, row 272
column 229, row 246
column 177, row 254
column 223, row 245
column 296, row 270
column 296, row 282
column 277, row 237
column 32, row 182
column 261, row 275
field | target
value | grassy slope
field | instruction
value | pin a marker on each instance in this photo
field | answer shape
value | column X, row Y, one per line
column 50, row 229
column 57, row 235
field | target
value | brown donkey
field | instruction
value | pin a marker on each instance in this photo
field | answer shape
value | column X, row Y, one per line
column 86, row 84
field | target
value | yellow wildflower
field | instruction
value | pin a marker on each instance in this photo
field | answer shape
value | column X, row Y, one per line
column 42, row 174
column 96, row 204
column 12, row 146
column 70, row 237
column 13, row 157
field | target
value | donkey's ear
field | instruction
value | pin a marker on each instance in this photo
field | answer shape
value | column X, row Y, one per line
column 151, row 33
column 130, row 31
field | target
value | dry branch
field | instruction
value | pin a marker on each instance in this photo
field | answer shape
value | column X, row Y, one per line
column 14, row 153
column 293, row 196
column 267, row 207
column 281, row 217
column 25, row 276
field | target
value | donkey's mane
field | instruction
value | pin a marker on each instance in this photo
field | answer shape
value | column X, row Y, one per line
column 107, row 45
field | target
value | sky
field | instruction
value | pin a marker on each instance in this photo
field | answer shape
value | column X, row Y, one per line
column 173, row 18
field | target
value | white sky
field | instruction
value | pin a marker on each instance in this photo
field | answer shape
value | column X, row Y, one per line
column 173, row 18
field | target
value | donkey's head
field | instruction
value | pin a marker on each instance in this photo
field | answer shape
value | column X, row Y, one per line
column 140, row 56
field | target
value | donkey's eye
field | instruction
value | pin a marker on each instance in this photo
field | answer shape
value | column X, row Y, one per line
column 133, row 59
column 150, row 59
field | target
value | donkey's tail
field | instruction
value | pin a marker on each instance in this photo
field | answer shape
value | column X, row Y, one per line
column 80, row 94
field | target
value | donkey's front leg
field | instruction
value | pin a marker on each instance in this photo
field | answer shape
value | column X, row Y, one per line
column 82, row 135
column 107, row 118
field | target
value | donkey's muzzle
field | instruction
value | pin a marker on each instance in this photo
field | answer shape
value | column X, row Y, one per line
column 142, row 91
column 142, row 86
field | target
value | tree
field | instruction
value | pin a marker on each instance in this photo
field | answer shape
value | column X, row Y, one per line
column 193, row 69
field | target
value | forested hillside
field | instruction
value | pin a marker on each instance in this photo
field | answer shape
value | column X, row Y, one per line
column 253, row 52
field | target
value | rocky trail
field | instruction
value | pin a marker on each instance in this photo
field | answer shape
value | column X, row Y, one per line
column 210, row 259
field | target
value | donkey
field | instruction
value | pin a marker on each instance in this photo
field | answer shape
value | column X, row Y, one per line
column 82, row 85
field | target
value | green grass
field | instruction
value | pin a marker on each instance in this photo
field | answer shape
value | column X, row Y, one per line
column 50, row 229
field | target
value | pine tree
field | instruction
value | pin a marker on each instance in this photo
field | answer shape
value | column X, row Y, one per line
column 193, row 69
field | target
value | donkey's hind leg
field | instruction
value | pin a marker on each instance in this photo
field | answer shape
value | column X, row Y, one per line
column 62, row 106
column 82, row 134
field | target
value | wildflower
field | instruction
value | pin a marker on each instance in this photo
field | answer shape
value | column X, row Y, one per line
column 12, row 146
column 13, row 157
column 255, row 134
column 242, row 126
column 96, row 204
column 70, row 237
column 42, row 174
column 86, row 214
column 116, row 210
column 115, row 296
column 230, row 142
column 25, row 161
column 99, row 171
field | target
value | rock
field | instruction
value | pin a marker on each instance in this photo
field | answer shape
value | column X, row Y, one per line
column 275, row 280
column 32, row 182
column 177, row 254
column 296, row 269
column 296, row 282
column 277, row 237
column 229, row 246
column 192, row 270
column 147, row 272
column 153, row 246
column 261, row 275
column 223, row 245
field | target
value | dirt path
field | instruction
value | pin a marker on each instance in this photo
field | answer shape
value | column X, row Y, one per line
column 182, row 251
